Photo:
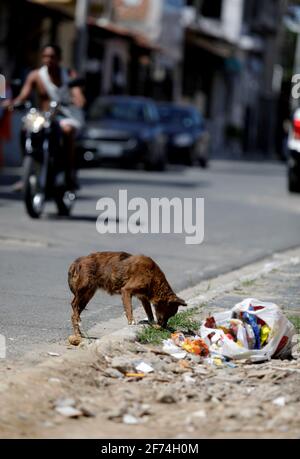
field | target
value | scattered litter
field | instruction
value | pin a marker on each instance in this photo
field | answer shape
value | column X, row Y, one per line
column 188, row 379
column 252, row 330
column 135, row 375
column 170, row 348
column 192, row 345
column 129, row 419
column 200, row 414
column 54, row 380
column 53, row 354
column 195, row 346
column 62, row 402
column 66, row 407
column 69, row 411
column 280, row 401
column 144, row 368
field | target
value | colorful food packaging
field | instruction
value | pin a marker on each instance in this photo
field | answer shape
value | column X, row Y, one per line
column 264, row 334
column 242, row 335
column 250, row 336
column 178, row 338
column 251, row 320
column 195, row 346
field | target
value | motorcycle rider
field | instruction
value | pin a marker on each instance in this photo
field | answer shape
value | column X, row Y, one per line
column 50, row 84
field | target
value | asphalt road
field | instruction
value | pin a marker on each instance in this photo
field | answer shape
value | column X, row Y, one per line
column 248, row 215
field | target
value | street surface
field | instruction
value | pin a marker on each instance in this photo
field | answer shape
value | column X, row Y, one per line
column 248, row 215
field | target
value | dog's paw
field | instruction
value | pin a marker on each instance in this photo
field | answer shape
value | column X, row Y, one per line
column 133, row 322
column 75, row 340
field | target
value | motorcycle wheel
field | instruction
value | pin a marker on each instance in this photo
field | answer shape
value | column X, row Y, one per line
column 34, row 196
column 64, row 201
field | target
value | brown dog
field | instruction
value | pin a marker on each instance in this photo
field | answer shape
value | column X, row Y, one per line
column 124, row 274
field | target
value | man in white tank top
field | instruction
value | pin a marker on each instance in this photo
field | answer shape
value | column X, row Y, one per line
column 50, row 83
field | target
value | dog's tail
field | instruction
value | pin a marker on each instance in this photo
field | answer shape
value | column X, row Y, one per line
column 73, row 275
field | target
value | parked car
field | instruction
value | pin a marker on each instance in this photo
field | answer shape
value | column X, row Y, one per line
column 188, row 138
column 294, row 154
column 124, row 129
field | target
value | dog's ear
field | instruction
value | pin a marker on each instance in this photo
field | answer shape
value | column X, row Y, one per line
column 178, row 301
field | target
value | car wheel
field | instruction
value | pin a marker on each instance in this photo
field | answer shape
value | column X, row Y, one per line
column 158, row 162
column 192, row 157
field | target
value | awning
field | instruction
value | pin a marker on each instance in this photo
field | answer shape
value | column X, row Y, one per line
column 218, row 48
column 64, row 8
column 115, row 29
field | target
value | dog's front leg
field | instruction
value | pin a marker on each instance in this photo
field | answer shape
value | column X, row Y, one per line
column 76, row 316
column 79, row 302
column 126, row 298
column 147, row 307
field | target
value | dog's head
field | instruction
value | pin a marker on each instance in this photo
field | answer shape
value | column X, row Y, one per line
column 164, row 310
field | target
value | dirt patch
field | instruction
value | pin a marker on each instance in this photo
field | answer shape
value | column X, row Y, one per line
column 179, row 399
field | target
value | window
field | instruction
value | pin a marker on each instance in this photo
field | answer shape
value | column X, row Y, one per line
column 174, row 3
column 133, row 3
column 251, row 10
column 212, row 9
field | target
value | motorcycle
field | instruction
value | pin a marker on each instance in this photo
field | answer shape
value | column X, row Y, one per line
column 44, row 167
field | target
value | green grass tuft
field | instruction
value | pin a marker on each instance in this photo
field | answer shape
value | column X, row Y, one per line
column 248, row 282
column 296, row 322
column 150, row 335
column 183, row 321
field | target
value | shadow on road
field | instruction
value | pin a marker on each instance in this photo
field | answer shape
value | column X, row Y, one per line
column 91, row 181
column 250, row 168
column 79, row 218
column 6, row 182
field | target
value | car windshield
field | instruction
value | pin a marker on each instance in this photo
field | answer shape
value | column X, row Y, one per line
column 179, row 116
column 130, row 111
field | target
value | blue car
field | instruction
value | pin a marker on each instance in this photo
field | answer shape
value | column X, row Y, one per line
column 187, row 136
column 125, row 130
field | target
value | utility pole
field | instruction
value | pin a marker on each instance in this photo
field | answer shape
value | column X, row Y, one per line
column 81, row 40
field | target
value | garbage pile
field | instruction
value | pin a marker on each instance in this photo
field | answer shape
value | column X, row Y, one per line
column 253, row 330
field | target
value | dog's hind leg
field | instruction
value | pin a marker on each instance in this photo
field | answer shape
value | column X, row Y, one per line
column 147, row 307
column 79, row 302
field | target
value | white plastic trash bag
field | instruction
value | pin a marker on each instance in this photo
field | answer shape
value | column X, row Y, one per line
column 278, row 343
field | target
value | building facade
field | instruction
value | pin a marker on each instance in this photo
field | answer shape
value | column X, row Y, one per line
column 160, row 21
column 231, row 70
